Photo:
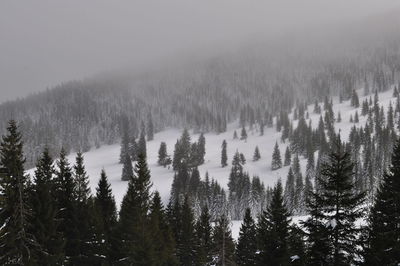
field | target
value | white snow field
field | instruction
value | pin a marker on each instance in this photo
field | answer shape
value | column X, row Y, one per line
column 107, row 157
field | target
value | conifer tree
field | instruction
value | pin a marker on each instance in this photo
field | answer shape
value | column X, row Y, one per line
column 289, row 193
column 276, row 158
column 201, row 148
column 246, row 249
column 133, row 150
column 135, row 245
column 16, row 243
column 125, row 149
column 273, row 231
column 224, row 155
column 163, row 157
column 127, row 169
column 67, row 204
column 235, row 136
column 106, row 218
column 186, row 246
column 150, row 128
column 288, row 157
column 44, row 225
column 203, row 234
column 161, row 234
column 142, row 145
column 243, row 134
column 256, row 155
column 383, row 245
column 224, row 247
column 334, row 211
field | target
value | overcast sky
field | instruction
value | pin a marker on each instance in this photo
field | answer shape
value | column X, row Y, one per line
column 46, row 42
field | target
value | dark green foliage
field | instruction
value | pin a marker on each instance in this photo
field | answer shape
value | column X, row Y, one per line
column 256, row 155
column 44, row 225
column 163, row 157
column 142, row 150
column 224, row 155
column 105, row 219
column 224, row 247
column 243, row 134
column 16, row 243
column 186, row 244
column 383, row 245
column 203, row 234
column 333, row 234
column 276, row 158
column 247, row 242
column 288, row 157
column 127, row 169
column 161, row 234
column 273, row 231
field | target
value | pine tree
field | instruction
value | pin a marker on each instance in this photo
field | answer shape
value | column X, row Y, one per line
column 334, row 211
column 203, row 234
column 161, row 234
column 289, row 193
column 106, row 218
column 16, row 243
column 288, row 157
column 44, row 225
column 127, row 169
column 383, row 245
column 186, row 248
column 243, row 134
column 142, row 145
column 66, row 199
column 296, row 246
column 224, row 247
column 235, row 136
column 276, row 158
column 246, row 249
column 256, row 155
column 201, row 148
column 135, row 246
column 163, row 157
column 125, row 149
column 150, row 128
column 273, row 231
column 224, row 156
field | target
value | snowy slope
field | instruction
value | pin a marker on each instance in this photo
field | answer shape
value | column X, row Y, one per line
column 107, row 156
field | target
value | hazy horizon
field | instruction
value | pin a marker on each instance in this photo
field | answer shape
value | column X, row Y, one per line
column 45, row 43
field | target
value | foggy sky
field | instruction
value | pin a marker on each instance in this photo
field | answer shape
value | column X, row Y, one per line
column 46, row 42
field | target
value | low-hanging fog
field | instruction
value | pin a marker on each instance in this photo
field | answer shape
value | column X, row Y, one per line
column 46, row 42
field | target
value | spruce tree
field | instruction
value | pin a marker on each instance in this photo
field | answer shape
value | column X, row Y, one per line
column 273, row 231
column 161, row 234
column 203, row 234
column 186, row 246
column 127, row 169
column 335, row 209
column 142, row 145
column 289, row 193
column 44, row 225
column 246, row 249
column 135, row 245
column 224, row 247
column 150, row 128
column 383, row 245
column 67, row 203
column 243, row 134
column 106, row 218
column 16, row 243
column 201, row 146
column 235, row 136
column 288, row 157
column 224, row 156
column 125, row 149
column 276, row 158
column 256, row 155
column 163, row 157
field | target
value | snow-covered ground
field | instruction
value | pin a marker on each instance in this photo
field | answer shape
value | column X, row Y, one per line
column 107, row 157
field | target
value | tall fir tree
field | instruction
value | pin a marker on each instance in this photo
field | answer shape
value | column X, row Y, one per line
column 142, row 146
column 246, row 249
column 16, row 243
column 276, row 158
column 383, row 242
column 256, row 155
column 336, row 207
column 204, row 236
column 150, row 128
column 224, row 155
column 273, row 231
column 127, row 169
column 186, row 246
column 224, row 246
column 44, row 225
column 106, row 219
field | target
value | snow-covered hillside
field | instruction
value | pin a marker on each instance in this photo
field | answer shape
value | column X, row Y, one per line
column 107, row 157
